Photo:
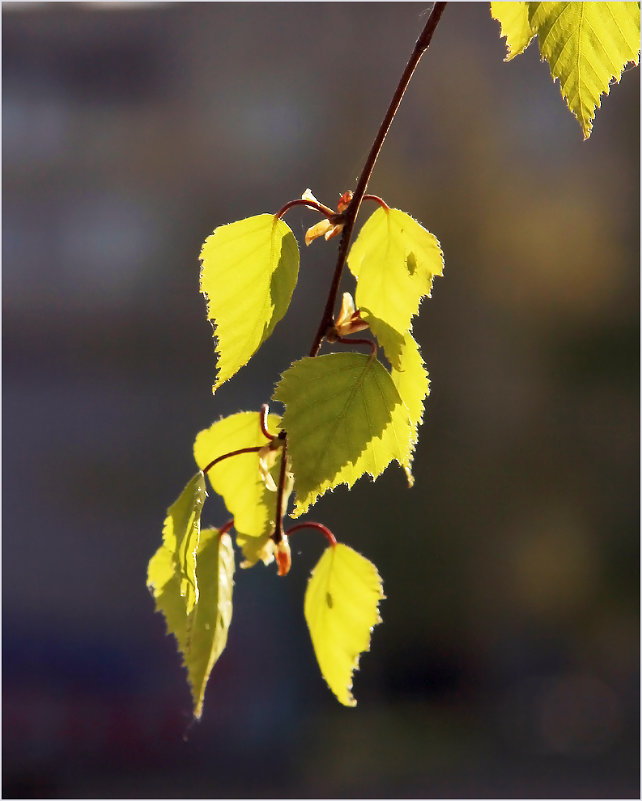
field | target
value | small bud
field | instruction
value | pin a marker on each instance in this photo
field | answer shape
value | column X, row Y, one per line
column 347, row 309
column 307, row 195
column 349, row 320
column 283, row 556
column 344, row 201
column 334, row 231
column 319, row 229
column 325, row 228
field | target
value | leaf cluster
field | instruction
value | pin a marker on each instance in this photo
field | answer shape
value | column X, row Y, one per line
column 346, row 413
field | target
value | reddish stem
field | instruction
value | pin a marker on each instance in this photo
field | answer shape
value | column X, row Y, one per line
column 224, row 529
column 263, row 418
column 319, row 526
column 378, row 200
column 218, row 459
column 368, row 342
column 311, row 204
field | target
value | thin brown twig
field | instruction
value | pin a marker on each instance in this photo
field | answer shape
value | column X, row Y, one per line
column 350, row 214
column 348, row 218
column 280, row 493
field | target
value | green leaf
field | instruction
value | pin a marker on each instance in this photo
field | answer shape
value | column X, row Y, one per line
column 344, row 418
column 209, row 623
column 249, row 272
column 587, row 45
column 237, row 479
column 175, row 560
column 515, row 26
column 394, row 260
column 255, row 549
column 190, row 577
column 409, row 376
column 341, row 607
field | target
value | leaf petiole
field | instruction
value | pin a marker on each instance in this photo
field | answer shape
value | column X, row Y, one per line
column 310, row 204
column 378, row 200
column 350, row 214
column 253, row 449
column 319, row 526
column 331, row 336
column 263, row 418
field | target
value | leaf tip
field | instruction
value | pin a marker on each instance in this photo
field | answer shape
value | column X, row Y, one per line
column 197, row 711
column 409, row 476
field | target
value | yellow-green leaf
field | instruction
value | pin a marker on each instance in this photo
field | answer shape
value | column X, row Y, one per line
column 587, row 46
column 237, row 479
column 515, row 26
column 344, row 418
column 175, row 560
column 255, row 549
column 409, row 376
column 190, row 577
column 341, row 607
column 249, row 271
column 209, row 623
column 394, row 260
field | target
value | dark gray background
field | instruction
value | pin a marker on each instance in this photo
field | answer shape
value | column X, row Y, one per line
column 507, row 662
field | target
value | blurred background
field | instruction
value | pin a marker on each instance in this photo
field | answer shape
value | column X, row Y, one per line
column 507, row 663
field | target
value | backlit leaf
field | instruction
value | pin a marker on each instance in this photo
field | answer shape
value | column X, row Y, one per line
column 408, row 373
column 190, row 577
column 238, row 479
column 587, row 45
column 175, row 560
column 255, row 549
column 341, row 607
column 344, row 418
column 394, row 260
column 515, row 26
column 210, row 620
column 249, row 271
